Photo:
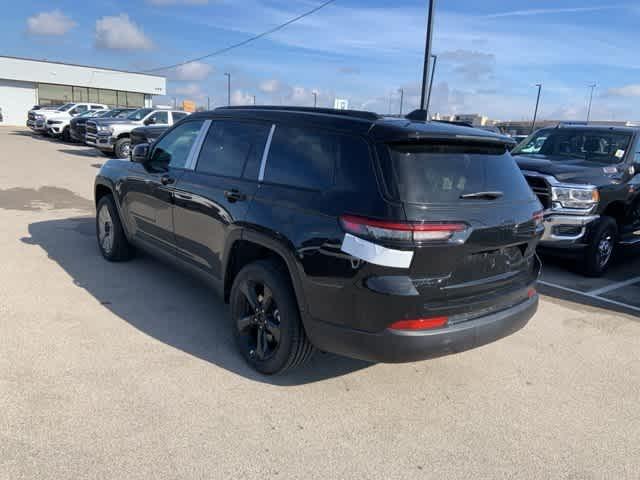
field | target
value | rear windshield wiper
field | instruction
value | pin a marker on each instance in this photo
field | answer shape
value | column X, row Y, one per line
column 482, row 195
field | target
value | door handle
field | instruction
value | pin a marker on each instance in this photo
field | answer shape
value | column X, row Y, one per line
column 167, row 180
column 234, row 195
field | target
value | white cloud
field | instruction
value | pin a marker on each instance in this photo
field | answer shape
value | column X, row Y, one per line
column 49, row 23
column 120, row 33
column 549, row 11
column 270, row 86
column 163, row 3
column 193, row 72
column 632, row 90
column 191, row 90
column 239, row 97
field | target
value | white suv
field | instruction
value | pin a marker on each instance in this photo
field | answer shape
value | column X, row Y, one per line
column 112, row 135
column 56, row 122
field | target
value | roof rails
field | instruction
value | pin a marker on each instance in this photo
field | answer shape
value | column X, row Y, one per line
column 363, row 115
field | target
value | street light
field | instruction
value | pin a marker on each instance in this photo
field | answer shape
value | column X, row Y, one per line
column 228, row 75
column 254, row 99
column 401, row 91
column 592, row 86
column 427, row 56
column 433, row 73
column 315, row 99
column 535, row 113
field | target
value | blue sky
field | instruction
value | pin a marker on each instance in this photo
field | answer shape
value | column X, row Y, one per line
column 491, row 53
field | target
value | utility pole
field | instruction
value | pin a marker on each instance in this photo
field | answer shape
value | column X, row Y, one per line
column 315, row 99
column 433, row 73
column 390, row 100
column 535, row 112
column 592, row 86
column 427, row 56
column 401, row 91
column 208, row 103
column 254, row 99
column 228, row 75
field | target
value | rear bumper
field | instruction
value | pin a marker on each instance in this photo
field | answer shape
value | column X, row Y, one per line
column 394, row 346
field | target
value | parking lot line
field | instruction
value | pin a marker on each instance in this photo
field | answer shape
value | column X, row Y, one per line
column 614, row 286
column 591, row 295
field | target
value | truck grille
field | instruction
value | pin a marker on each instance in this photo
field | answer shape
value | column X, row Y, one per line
column 541, row 188
column 92, row 128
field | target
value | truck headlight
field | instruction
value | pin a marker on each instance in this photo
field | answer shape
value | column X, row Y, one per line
column 105, row 128
column 579, row 197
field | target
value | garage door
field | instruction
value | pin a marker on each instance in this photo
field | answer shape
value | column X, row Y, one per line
column 16, row 98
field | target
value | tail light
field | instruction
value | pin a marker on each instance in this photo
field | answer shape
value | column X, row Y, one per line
column 400, row 231
column 531, row 292
column 420, row 323
column 538, row 217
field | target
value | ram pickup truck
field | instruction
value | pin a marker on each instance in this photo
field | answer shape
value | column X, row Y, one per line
column 113, row 136
column 586, row 178
column 56, row 122
column 146, row 134
column 78, row 125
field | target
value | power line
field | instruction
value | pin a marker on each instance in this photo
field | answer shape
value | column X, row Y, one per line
column 244, row 42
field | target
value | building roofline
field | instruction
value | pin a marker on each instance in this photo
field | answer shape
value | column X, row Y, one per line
column 82, row 66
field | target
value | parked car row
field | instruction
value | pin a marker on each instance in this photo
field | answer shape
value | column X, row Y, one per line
column 109, row 130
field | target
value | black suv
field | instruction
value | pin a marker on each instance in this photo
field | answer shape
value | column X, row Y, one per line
column 586, row 179
column 382, row 239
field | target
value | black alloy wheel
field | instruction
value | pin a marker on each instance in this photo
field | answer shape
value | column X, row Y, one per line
column 259, row 323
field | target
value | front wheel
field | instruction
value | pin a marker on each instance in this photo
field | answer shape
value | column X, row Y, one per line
column 66, row 134
column 122, row 148
column 266, row 319
column 112, row 240
column 600, row 251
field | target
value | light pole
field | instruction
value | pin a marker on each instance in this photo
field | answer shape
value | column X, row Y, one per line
column 228, row 75
column 315, row 99
column 592, row 86
column 535, row 112
column 427, row 56
column 401, row 91
column 208, row 103
column 433, row 73
column 254, row 99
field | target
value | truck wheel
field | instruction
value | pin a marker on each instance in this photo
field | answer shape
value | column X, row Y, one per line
column 601, row 248
column 122, row 148
column 112, row 241
column 266, row 319
column 66, row 134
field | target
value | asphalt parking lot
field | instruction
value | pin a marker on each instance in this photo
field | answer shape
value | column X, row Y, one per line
column 129, row 370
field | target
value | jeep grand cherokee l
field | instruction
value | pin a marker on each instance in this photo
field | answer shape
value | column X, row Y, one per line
column 385, row 240
column 587, row 180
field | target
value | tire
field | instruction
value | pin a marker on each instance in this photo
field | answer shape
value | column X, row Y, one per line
column 276, row 321
column 122, row 148
column 66, row 135
column 601, row 248
column 112, row 240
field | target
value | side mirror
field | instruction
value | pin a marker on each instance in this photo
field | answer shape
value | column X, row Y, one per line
column 140, row 152
column 150, row 121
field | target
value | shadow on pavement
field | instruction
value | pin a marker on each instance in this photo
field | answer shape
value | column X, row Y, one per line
column 84, row 152
column 164, row 302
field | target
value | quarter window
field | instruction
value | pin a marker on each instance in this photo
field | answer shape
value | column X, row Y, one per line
column 172, row 151
column 301, row 158
column 232, row 148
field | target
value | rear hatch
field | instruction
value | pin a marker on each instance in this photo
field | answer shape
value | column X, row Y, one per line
column 478, row 187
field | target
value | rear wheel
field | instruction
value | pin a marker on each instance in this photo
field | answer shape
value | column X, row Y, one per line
column 601, row 249
column 112, row 240
column 266, row 319
column 123, row 148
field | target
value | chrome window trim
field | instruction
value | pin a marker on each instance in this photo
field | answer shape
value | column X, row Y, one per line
column 265, row 153
column 194, row 153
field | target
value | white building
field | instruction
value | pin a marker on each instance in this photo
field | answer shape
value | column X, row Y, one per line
column 27, row 82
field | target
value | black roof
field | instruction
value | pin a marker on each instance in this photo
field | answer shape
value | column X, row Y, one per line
column 360, row 123
column 594, row 126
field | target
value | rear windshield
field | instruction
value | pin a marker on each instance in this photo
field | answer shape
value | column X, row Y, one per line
column 445, row 173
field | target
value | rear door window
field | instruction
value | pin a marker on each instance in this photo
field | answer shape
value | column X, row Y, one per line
column 442, row 174
column 233, row 149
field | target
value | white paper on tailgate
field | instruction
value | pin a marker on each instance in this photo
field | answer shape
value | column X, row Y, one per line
column 377, row 254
